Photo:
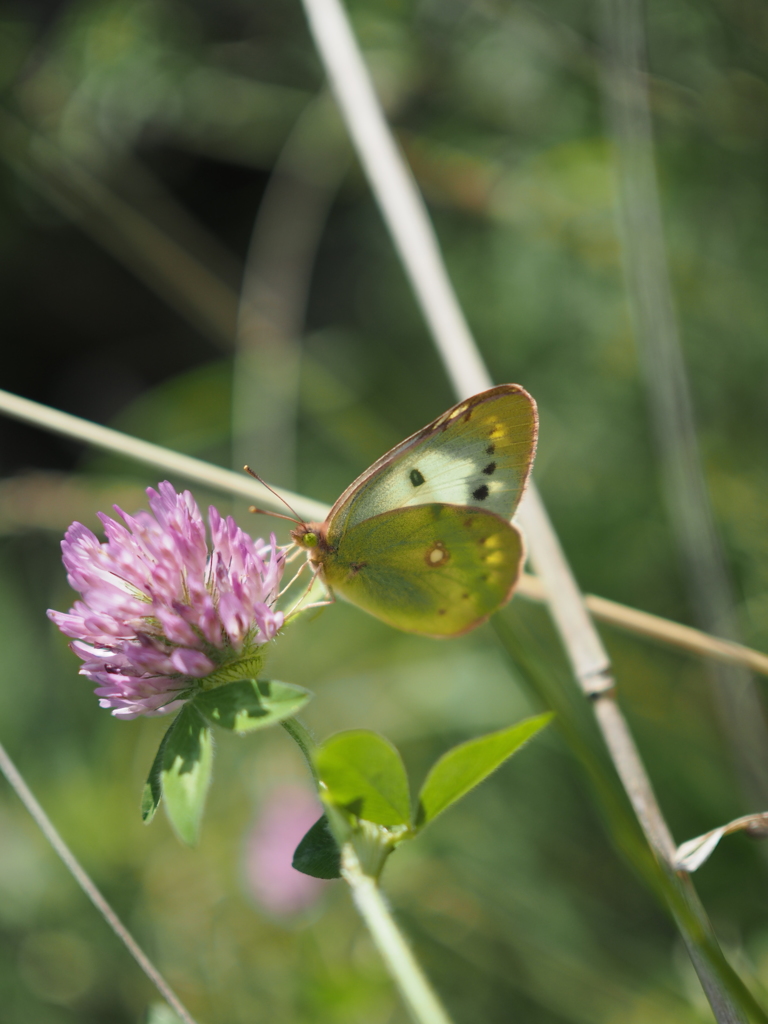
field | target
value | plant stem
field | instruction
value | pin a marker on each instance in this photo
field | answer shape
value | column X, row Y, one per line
column 154, row 455
column 82, row 878
column 407, row 975
column 414, row 237
column 662, row 630
column 304, row 740
column 414, row 987
column 530, row 587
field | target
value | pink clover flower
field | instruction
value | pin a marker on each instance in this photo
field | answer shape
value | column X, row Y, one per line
column 160, row 608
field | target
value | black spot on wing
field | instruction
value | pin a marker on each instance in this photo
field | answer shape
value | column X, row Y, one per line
column 490, row 469
column 490, row 449
column 480, row 493
column 416, row 478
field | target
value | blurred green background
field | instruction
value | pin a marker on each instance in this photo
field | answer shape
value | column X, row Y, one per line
column 139, row 141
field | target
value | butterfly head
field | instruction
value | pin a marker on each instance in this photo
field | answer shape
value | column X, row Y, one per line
column 308, row 536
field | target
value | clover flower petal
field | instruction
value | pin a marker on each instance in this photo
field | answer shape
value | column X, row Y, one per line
column 160, row 609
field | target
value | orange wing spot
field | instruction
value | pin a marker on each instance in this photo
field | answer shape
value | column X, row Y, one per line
column 437, row 555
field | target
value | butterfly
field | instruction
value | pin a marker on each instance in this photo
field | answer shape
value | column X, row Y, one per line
column 423, row 539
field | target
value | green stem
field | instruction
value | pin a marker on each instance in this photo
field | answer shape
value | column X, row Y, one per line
column 409, row 978
column 411, row 981
column 305, row 742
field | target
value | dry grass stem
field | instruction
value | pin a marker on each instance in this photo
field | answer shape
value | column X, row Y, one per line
column 413, row 235
column 46, row 826
column 658, row 628
column 51, row 501
column 155, row 455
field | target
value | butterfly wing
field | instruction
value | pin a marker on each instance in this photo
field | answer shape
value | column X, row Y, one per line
column 434, row 569
column 478, row 453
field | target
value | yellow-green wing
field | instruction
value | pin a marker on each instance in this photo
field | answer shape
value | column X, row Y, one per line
column 434, row 569
column 478, row 453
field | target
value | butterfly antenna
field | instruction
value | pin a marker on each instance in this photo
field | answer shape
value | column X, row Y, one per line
column 294, row 519
column 277, row 515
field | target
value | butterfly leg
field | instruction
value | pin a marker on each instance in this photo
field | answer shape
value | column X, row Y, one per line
column 330, row 599
column 290, row 583
column 295, row 552
column 299, row 606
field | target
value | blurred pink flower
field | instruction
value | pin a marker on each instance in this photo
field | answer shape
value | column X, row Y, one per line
column 284, row 817
column 159, row 609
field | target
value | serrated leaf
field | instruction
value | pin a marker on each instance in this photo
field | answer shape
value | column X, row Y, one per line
column 364, row 774
column 153, row 787
column 246, row 705
column 318, row 853
column 464, row 767
column 187, row 759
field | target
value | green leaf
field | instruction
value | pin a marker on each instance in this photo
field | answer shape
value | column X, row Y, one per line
column 318, row 853
column 364, row 775
column 247, row 705
column 187, row 758
column 462, row 768
column 153, row 787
